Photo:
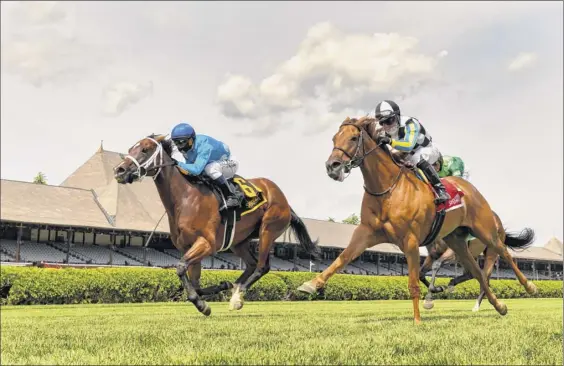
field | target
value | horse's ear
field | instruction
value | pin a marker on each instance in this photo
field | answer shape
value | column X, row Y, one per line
column 371, row 126
column 122, row 156
column 159, row 138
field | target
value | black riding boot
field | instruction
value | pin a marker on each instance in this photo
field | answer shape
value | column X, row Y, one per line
column 435, row 181
column 232, row 197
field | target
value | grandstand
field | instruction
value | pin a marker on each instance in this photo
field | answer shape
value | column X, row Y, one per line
column 91, row 220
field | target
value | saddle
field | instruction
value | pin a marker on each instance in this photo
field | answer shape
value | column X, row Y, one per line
column 253, row 196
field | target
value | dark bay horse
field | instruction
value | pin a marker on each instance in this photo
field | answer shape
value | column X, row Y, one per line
column 399, row 208
column 196, row 228
column 440, row 253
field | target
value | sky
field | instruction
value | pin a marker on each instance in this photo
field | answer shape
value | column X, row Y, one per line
column 274, row 80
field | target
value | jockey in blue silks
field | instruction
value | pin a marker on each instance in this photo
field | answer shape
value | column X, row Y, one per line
column 200, row 153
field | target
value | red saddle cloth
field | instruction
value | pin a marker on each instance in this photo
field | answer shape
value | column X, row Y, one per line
column 455, row 197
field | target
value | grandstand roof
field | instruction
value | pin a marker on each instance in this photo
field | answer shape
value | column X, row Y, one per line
column 51, row 205
column 555, row 246
column 90, row 197
column 134, row 206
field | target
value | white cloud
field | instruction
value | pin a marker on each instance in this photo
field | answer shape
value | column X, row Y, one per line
column 120, row 96
column 40, row 44
column 344, row 70
column 39, row 12
column 522, row 61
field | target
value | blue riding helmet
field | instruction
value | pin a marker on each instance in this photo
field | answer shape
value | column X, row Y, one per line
column 183, row 136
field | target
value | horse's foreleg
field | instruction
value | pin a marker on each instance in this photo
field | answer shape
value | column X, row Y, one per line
column 412, row 254
column 262, row 267
column 197, row 252
column 446, row 257
column 243, row 251
column 427, row 264
column 194, row 274
column 425, row 267
column 363, row 237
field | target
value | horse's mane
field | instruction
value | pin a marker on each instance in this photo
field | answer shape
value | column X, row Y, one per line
column 166, row 143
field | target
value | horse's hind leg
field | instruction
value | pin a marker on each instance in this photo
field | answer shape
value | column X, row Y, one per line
column 492, row 240
column 457, row 241
column 489, row 261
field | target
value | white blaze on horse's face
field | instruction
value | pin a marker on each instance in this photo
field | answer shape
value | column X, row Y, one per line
column 154, row 161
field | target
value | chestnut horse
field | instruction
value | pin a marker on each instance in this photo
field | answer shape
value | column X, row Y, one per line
column 399, row 208
column 440, row 253
column 196, row 228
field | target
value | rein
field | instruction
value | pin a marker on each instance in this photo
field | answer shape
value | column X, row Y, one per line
column 355, row 161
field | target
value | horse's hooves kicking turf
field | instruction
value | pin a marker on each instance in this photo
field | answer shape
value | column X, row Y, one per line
column 308, row 288
column 502, row 310
column 207, row 310
column 531, row 288
column 428, row 304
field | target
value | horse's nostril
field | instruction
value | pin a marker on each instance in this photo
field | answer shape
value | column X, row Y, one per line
column 120, row 170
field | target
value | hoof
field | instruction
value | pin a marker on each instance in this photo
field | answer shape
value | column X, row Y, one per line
column 531, row 288
column 207, row 310
column 501, row 308
column 236, row 302
column 308, row 288
column 235, row 305
column 477, row 308
column 428, row 304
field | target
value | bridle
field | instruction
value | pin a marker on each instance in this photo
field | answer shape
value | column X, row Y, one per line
column 145, row 167
column 356, row 160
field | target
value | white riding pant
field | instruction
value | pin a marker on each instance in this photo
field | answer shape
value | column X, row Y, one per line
column 430, row 153
column 227, row 168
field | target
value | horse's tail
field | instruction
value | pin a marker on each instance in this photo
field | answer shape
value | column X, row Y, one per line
column 515, row 241
column 522, row 240
column 301, row 233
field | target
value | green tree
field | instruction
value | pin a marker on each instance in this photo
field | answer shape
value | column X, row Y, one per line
column 40, row 178
column 352, row 219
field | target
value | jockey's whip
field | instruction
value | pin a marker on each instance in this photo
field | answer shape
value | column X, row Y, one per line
column 155, row 229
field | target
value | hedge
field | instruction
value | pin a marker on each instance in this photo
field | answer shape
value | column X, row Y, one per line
column 32, row 285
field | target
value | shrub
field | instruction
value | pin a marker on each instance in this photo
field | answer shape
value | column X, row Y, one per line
column 32, row 285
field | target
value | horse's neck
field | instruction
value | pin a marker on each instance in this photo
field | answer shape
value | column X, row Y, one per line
column 379, row 171
column 172, row 187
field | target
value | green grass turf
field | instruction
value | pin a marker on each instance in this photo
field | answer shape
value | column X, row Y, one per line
column 365, row 332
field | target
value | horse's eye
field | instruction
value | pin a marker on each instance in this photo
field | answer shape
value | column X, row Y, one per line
column 354, row 138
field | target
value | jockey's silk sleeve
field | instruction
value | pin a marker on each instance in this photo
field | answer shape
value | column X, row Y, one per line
column 201, row 161
column 410, row 138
